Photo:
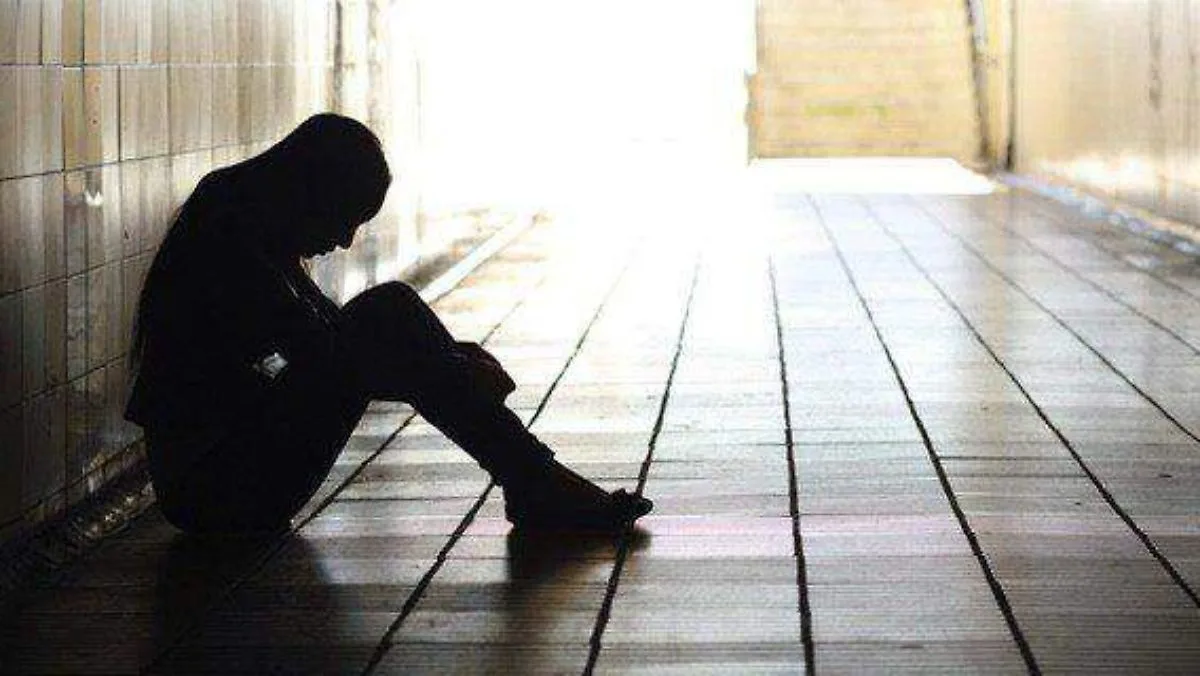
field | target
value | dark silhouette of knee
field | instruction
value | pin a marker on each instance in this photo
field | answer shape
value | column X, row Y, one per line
column 392, row 308
column 409, row 317
column 391, row 321
column 401, row 295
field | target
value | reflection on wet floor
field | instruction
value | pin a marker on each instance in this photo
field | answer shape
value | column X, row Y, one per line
column 893, row 431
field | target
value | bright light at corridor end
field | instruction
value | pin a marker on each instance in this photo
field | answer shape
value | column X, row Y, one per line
column 548, row 103
column 732, row 206
column 628, row 113
column 870, row 175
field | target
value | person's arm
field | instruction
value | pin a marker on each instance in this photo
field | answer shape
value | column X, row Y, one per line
column 262, row 324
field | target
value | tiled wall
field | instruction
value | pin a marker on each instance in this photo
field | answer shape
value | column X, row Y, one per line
column 1106, row 99
column 110, row 110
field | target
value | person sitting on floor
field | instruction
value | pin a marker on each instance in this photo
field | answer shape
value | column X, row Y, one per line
column 249, row 380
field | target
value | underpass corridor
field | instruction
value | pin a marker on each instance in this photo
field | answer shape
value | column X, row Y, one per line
column 891, row 307
column 901, row 431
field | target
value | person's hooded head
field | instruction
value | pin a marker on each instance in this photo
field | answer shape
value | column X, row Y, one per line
column 312, row 190
column 303, row 196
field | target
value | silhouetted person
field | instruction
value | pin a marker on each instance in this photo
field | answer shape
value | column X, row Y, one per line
column 249, row 380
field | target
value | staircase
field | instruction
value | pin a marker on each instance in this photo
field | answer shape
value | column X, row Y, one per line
column 864, row 77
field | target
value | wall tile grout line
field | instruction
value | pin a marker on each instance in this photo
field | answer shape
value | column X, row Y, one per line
column 1095, row 285
column 410, row 604
column 94, row 166
column 258, row 565
column 66, row 383
column 1061, row 322
column 1105, row 494
column 626, row 543
column 806, row 636
column 985, row 566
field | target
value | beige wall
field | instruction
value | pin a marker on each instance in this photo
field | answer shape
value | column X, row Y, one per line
column 994, row 63
column 864, row 77
column 1106, row 99
column 109, row 112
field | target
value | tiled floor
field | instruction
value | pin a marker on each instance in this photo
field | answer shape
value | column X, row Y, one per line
column 893, row 432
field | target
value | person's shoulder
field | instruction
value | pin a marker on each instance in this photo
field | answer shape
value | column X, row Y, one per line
column 222, row 237
column 211, row 260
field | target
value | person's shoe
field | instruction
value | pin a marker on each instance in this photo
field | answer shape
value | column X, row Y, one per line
column 562, row 500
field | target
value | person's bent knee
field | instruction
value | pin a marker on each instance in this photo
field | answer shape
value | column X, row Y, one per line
column 388, row 318
column 385, row 299
column 397, row 292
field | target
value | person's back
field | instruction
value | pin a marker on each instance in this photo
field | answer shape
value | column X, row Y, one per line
column 214, row 310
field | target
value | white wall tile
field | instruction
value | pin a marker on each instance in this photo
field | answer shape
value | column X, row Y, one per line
column 52, row 31
column 12, row 434
column 11, row 366
column 43, row 464
column 55, row 298
column 76, row 326
column 33, row 341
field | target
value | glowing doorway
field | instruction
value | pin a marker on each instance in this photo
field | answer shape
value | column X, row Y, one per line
column 546, row 102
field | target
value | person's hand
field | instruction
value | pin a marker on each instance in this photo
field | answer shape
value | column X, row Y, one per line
column 488, row 372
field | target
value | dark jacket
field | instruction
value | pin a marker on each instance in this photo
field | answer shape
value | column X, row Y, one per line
column 221, row 323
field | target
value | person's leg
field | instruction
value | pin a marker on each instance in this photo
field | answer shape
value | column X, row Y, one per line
column 400, row 350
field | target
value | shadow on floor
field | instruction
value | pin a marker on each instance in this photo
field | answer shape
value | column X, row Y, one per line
column 534, row 615
column 301, row 614
column 123, row 605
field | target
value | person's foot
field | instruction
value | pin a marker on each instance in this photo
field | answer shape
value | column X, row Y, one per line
column 560, row 499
